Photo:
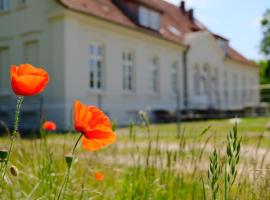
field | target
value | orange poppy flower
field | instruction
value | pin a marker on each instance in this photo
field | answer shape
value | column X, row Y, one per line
column 27, row 80
column 49, row 126
column 99, row 176
column 94, row 125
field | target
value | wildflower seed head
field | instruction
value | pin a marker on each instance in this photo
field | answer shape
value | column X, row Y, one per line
column 144, row 117
column 3, row 154
column 69, row 160
column 14, row 171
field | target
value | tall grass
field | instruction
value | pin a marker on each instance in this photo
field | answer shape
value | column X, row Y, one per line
column 143, row 164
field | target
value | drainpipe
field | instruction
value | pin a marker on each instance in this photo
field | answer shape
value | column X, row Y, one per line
column 185, row 78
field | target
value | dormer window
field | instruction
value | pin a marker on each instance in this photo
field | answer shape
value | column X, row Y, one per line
column 149, row 18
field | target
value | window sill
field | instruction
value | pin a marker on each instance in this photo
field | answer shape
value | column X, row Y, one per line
column 128, row 93
column 96, row 92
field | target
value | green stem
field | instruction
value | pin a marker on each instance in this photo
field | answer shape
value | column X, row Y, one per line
column 14, row 133
column 66, row 179
column 76, row 144
column 226, row 183
column 64, row 184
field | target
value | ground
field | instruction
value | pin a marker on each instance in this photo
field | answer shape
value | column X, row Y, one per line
column 152, row 162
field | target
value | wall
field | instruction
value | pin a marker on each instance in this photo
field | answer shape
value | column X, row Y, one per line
column 82, row 30
column 37, row 21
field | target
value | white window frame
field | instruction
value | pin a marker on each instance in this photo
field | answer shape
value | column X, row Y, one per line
column 96, row 71
column 196, row 81
column 235, row 87
column 5, row 5
column 174, row 78
column 143, row 16
column 128, row 65
column 244, row 82
column 225, row 87
column 154, row 75
column 251, row 89
column 215, row 83
column 149, row 18
column 205, row 79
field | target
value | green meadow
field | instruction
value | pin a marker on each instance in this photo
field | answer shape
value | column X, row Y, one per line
column 154, row 162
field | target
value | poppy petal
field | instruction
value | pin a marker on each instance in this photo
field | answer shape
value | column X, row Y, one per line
column 96, row 144
column 27, row 80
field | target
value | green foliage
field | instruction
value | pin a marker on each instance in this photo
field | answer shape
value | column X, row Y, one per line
column 264, row 71
column 159, row 168
column 233, row 156
column 265, row 43
column 214, row 174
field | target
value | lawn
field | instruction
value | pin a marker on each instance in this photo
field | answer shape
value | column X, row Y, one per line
column 145, row 163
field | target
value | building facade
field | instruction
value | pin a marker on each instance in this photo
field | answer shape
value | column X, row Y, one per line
column 123, row 56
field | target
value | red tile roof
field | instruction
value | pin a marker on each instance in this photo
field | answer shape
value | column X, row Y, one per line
column 175, row 23
column 236, row 56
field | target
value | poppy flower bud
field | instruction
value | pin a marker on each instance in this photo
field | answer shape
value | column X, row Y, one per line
column 3, row 154
column 14, row 171
column 69, row 160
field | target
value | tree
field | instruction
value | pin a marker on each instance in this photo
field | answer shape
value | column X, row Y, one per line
column 265, row 43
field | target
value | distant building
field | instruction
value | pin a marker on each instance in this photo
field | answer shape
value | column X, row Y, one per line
column 121, row 55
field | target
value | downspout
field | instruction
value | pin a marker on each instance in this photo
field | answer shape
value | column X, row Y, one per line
column 185, row 78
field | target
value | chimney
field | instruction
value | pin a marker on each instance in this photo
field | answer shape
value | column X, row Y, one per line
column 182, row 6
column 190, row 14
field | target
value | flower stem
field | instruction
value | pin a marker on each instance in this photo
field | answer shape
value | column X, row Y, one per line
column 14, row 133
column 66, row 179
column 76, row 144
column 64, row 183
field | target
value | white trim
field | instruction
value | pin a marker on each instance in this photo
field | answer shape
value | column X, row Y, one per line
column 96, row 56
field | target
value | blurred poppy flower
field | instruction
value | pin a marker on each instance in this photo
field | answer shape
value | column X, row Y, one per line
column 49, row 126
column 94, row 125
column 27, row 80
column 99, row 176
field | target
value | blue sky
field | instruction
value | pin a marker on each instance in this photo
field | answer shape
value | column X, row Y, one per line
column 237, row 20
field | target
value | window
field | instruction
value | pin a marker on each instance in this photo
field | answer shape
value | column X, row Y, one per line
column 225, row 85
column 96, row 62
column 205, row 78
column 251, row 89
column 4, row 68
column 243, row 88
column 174, row 78
column 149, row 18
column 154, row 75
column 31, row 52
column 235, row 86
column 4, row 5
column 196, row 79
column 128, row 68
column 215, row 83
